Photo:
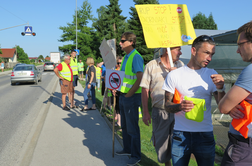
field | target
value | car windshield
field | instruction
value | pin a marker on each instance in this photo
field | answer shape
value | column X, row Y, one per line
column 49, row 64
column 20, row 68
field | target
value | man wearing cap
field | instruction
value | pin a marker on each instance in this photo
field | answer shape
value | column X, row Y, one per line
column 154, row 75
column 194, row 82
column 65, row 74
column 239, row 149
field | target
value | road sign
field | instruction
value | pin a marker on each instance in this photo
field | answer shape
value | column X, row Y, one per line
column 77, row 51
column 28, row 30
column 114, row 79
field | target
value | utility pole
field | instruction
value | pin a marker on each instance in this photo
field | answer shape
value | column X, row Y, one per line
column 76, row 32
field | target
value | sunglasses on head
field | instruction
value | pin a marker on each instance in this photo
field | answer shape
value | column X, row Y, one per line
column 203, row 38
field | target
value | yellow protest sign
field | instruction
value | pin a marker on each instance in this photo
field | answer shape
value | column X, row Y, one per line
column 167, row 25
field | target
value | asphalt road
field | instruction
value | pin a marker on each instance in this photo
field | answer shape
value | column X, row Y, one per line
column 19, row 106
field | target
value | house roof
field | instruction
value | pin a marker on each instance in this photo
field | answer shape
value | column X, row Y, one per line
column 7, row 52
column 33, row 57
column 47, row 58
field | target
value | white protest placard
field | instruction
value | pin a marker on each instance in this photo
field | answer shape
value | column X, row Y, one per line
column 114, row 79
column 107, row 55
column 112, row 45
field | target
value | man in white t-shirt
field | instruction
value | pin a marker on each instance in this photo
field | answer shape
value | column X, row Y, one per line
column 197, row 82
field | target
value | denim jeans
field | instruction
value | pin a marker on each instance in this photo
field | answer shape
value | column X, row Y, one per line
column 92, row 93
column 201, row 144
column 129, row 123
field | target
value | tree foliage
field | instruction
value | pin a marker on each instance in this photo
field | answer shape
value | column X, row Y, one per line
column 110, row 23
column 136, row 27
column 200, row 21
column 22, row 56
column 41, row 57
column 85, row 34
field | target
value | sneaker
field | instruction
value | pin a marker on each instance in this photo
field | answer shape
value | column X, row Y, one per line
column 133, row 161
column 66, row 108
column 122, row 153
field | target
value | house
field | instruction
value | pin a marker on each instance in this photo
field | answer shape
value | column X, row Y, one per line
column 10, row 54
column 47, row 59
column 35, row 59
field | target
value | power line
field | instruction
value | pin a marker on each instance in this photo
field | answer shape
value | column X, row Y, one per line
column 13, row 14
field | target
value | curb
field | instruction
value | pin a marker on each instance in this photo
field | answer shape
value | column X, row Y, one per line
column 111, row 127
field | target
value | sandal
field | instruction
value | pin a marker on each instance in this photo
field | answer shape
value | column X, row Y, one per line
column 83, row 109
column 74, row 107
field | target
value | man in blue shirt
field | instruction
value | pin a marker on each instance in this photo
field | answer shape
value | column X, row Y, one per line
column 130, row 98
column 239, row 149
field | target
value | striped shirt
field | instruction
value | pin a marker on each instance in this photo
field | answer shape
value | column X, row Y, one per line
column 153, row 79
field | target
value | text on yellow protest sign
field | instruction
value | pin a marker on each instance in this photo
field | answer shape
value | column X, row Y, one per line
column 167, row 25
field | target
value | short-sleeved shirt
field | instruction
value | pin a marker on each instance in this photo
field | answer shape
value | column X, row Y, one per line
column 195, row 84
column 244, row 81
column 60, row 68
column 137, row 64
column 92, row 69
column 153, row 78
column 103, row 71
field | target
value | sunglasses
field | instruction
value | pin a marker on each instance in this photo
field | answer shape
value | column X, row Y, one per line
column 119, row 63
column 203, row 38
column 122, row 41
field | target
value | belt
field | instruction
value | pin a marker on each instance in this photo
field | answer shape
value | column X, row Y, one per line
column 237, row 138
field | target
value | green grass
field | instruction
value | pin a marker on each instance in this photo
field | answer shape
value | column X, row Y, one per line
column 149, row 156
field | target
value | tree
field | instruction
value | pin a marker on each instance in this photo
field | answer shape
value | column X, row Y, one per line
column 110, row 23
column 136, row 27
column 41, row 57
column 84, row 33
column 200, row 21
column 22, row 56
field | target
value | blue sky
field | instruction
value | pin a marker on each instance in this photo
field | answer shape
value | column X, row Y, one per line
column 47, row 16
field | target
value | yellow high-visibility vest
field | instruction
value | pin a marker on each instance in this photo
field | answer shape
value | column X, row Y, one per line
column 80, row 66
column 74, row 66
column 65, row 72
column 98, row 72
column 130, row 77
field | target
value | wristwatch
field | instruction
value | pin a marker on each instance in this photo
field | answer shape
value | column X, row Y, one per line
column 221, row 90
column 89, row 83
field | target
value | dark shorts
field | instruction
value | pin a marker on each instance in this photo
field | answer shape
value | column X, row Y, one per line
column 66, row 86
column 75, row 80
column 81, row 72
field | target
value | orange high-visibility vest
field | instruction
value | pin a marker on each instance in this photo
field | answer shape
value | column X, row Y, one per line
column 242, row 123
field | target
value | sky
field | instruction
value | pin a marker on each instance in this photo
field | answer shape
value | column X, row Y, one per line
column 47, row 16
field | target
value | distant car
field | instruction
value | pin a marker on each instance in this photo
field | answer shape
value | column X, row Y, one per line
column 25, row 73
column 49, row 66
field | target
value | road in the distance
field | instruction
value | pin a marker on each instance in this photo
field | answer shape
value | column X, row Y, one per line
column 19, row 106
